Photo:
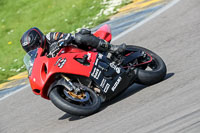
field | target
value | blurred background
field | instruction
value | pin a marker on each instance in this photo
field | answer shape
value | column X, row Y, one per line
column 49, row 16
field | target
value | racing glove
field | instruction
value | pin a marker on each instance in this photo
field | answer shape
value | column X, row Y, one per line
column 65, row 40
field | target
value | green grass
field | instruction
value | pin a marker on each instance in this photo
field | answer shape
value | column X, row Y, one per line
column 17, row 16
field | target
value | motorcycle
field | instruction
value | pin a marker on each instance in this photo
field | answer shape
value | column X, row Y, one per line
column 78, row 81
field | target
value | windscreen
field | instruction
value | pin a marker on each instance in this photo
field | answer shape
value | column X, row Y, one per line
column 29, row 60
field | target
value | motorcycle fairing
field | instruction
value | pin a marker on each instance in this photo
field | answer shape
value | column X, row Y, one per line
column 132, row 57
column 104, row 32
column 45, row 69
column 110, row 78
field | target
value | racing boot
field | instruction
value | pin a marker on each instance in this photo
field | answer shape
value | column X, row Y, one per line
column 115, row 49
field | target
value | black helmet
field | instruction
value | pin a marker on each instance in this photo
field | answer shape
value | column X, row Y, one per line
column 32, row 39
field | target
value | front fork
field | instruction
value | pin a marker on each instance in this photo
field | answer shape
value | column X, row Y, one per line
column 69, row 85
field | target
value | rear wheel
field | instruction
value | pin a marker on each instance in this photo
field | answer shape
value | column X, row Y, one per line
column 152, row 72
column 84, row 103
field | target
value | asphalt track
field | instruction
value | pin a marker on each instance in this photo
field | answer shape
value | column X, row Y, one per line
column 171, row 106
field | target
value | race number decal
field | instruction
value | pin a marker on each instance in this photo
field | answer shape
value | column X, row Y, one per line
column 61, row 62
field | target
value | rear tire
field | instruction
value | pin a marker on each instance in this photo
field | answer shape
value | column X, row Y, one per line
column 149, row 77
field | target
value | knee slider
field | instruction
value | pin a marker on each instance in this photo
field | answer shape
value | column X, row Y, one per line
column 85, row 31
column 78, row 38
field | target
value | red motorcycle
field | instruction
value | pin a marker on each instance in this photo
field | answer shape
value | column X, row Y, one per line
column 77, row 81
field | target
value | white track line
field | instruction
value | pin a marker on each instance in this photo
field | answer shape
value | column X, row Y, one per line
column 172, row 3
column 118, row 36
column 12, row 93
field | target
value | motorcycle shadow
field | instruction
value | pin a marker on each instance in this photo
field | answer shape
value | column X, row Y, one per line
column 71, row 117
column 128, row 92
column 135, row 88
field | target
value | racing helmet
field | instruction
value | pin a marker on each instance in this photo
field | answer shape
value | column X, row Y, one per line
column 32, row 39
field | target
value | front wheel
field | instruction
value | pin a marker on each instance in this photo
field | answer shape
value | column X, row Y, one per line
column 152, row 72
column 83, row 104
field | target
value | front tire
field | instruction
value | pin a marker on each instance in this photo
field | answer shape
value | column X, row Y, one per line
column 59, row 99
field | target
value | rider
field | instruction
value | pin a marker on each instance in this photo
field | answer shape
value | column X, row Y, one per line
column 34, row 38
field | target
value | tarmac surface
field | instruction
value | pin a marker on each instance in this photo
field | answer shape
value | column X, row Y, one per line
column 171, row 106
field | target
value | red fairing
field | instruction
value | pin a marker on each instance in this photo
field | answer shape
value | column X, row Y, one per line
column 44, row 69
column 104, row 33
